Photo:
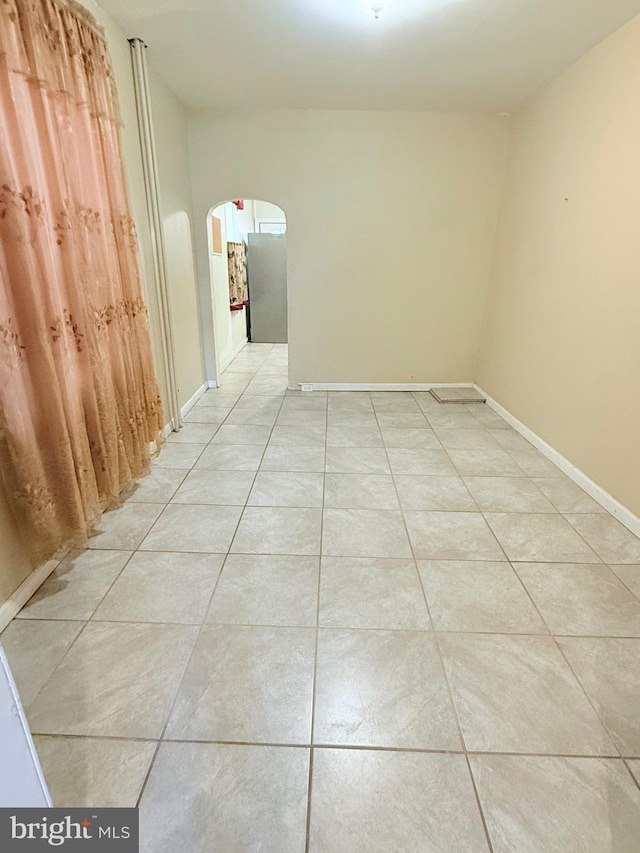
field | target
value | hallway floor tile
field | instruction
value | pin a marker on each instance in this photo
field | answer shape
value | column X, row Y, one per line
column 344, row 622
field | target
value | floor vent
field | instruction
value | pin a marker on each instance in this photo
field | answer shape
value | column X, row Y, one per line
column 455, row 394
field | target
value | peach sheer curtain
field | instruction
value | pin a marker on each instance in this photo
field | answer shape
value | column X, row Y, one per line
column 79, row 402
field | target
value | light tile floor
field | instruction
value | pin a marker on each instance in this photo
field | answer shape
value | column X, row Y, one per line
column 345, row 622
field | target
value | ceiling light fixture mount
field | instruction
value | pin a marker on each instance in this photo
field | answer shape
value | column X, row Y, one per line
column 376, row 6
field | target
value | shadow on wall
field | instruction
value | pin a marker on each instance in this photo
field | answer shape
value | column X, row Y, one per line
column 261, row 227
column 185, row 310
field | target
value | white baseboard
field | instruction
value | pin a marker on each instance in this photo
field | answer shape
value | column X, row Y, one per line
column 227, row 361
column 215, row 383
column 380, row 386
column 611, row 504
column 194, row 399
column 166, row 431
column 168, row 428
column 29, row 585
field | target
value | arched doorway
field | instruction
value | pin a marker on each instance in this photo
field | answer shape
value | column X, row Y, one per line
column 249, row 233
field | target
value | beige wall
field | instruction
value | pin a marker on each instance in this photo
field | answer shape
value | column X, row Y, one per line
column 175, row 191
column 172, row 148
column 390, row 220
column 561, row 347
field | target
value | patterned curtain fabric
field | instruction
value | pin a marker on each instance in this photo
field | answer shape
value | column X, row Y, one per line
column 238, row 290
column 79, row 402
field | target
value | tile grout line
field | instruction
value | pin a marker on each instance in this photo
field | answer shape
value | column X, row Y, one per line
column 624, row 584
column 458, row 560
column 315, row 655
column 58, row 664
column 347, row 747
column 456, row 716
column 481, row 512
column 625, row 761
column 553, row 637
column 111, row 585
column 446, row 681
column 189, row 659
column 255, row 476
column 86, row 621
column 340, row 627
column 313, row 746
column 179, row 682
column 578, row 681
column 477, row 511
column 81, row 631
column 575, row 530
column 561, row 475
column 530, row 478
column 605, row 728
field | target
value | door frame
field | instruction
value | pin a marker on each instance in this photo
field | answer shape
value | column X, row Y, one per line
column 208, row 324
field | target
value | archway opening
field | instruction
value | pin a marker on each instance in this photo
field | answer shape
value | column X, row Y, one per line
column 248, row 276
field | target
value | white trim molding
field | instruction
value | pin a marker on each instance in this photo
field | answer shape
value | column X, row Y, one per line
column 27, row 588
column 378, row 386
column 194, row 399
column 169, row 427
column 224, row 364
column 22, row 782
column 611, row 504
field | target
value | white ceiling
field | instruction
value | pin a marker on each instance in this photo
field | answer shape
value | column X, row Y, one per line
column 420, row 54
